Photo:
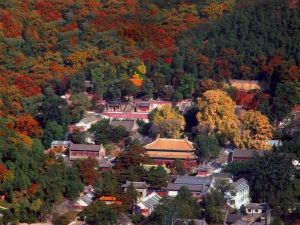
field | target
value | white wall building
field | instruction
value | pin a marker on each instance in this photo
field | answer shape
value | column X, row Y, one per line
column 240, row 195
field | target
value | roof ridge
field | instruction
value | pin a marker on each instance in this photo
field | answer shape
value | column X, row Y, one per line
column 152, row 142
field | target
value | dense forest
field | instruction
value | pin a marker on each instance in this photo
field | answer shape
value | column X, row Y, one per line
column 137, row 47
column 168, row 49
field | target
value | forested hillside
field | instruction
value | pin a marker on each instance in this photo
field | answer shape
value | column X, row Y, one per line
column 58, row 44
column 167, row 49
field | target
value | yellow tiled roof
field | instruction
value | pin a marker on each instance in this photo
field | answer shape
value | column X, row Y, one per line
column 165, row 144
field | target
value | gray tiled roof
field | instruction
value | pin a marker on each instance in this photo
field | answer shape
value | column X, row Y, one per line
column 192, row 188
column 105, row 163
column 257, row 205
column 127, row 124
column 60, row 142
column 193, row 180
column 137, row 185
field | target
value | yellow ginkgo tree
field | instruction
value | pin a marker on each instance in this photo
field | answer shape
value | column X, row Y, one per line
column 255, row 130
column 138, row 77
column 167, row 122
column 217, row 115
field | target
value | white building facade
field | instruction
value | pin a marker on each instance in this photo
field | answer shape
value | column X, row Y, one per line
column 240, row 194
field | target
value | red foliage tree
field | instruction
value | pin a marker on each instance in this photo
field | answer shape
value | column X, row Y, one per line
column 27, row 125
column 246, row 99
column 168, row 60
column 27, row 86
column 48, row 10
column 34, row 188
column 12, row 28
column 148, row 55
column 291, row 75
column 223, row 66
column 4, row 173
column 88, row 171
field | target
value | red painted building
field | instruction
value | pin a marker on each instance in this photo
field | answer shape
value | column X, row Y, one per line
column 165, row 151
column 142, row 107
column 83, row 151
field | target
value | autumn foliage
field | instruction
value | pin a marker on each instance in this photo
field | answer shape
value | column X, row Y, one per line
column 216, row 114
column 88, row 169
column 27, row 86
column 255, row 130
column 27, row 125
column 5, row 174
column 246, row 99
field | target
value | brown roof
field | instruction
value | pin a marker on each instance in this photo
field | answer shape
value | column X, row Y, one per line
column 171, row 155
column 165, row 144
column 83, row 147
column 246, row 153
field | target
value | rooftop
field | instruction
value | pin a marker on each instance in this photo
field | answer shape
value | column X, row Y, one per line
column 222, row 175
column 191, row 187
column 127, row 124
column 136, row 185
column 257, row 206
column 89, row 119
column 192, row 180
column 104, row 163
column 142, row 104
column 84, row 147
column 246, row 153
column 88, row 199
column 151, row 200
column 170, row 145
column 240, row 184
column 60, row 142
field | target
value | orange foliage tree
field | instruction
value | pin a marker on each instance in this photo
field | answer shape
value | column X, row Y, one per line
column 217, row 9
column 27, row 86
column 26, row 124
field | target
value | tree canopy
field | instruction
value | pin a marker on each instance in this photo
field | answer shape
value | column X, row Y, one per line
column 216, row 115
column 167, row 122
